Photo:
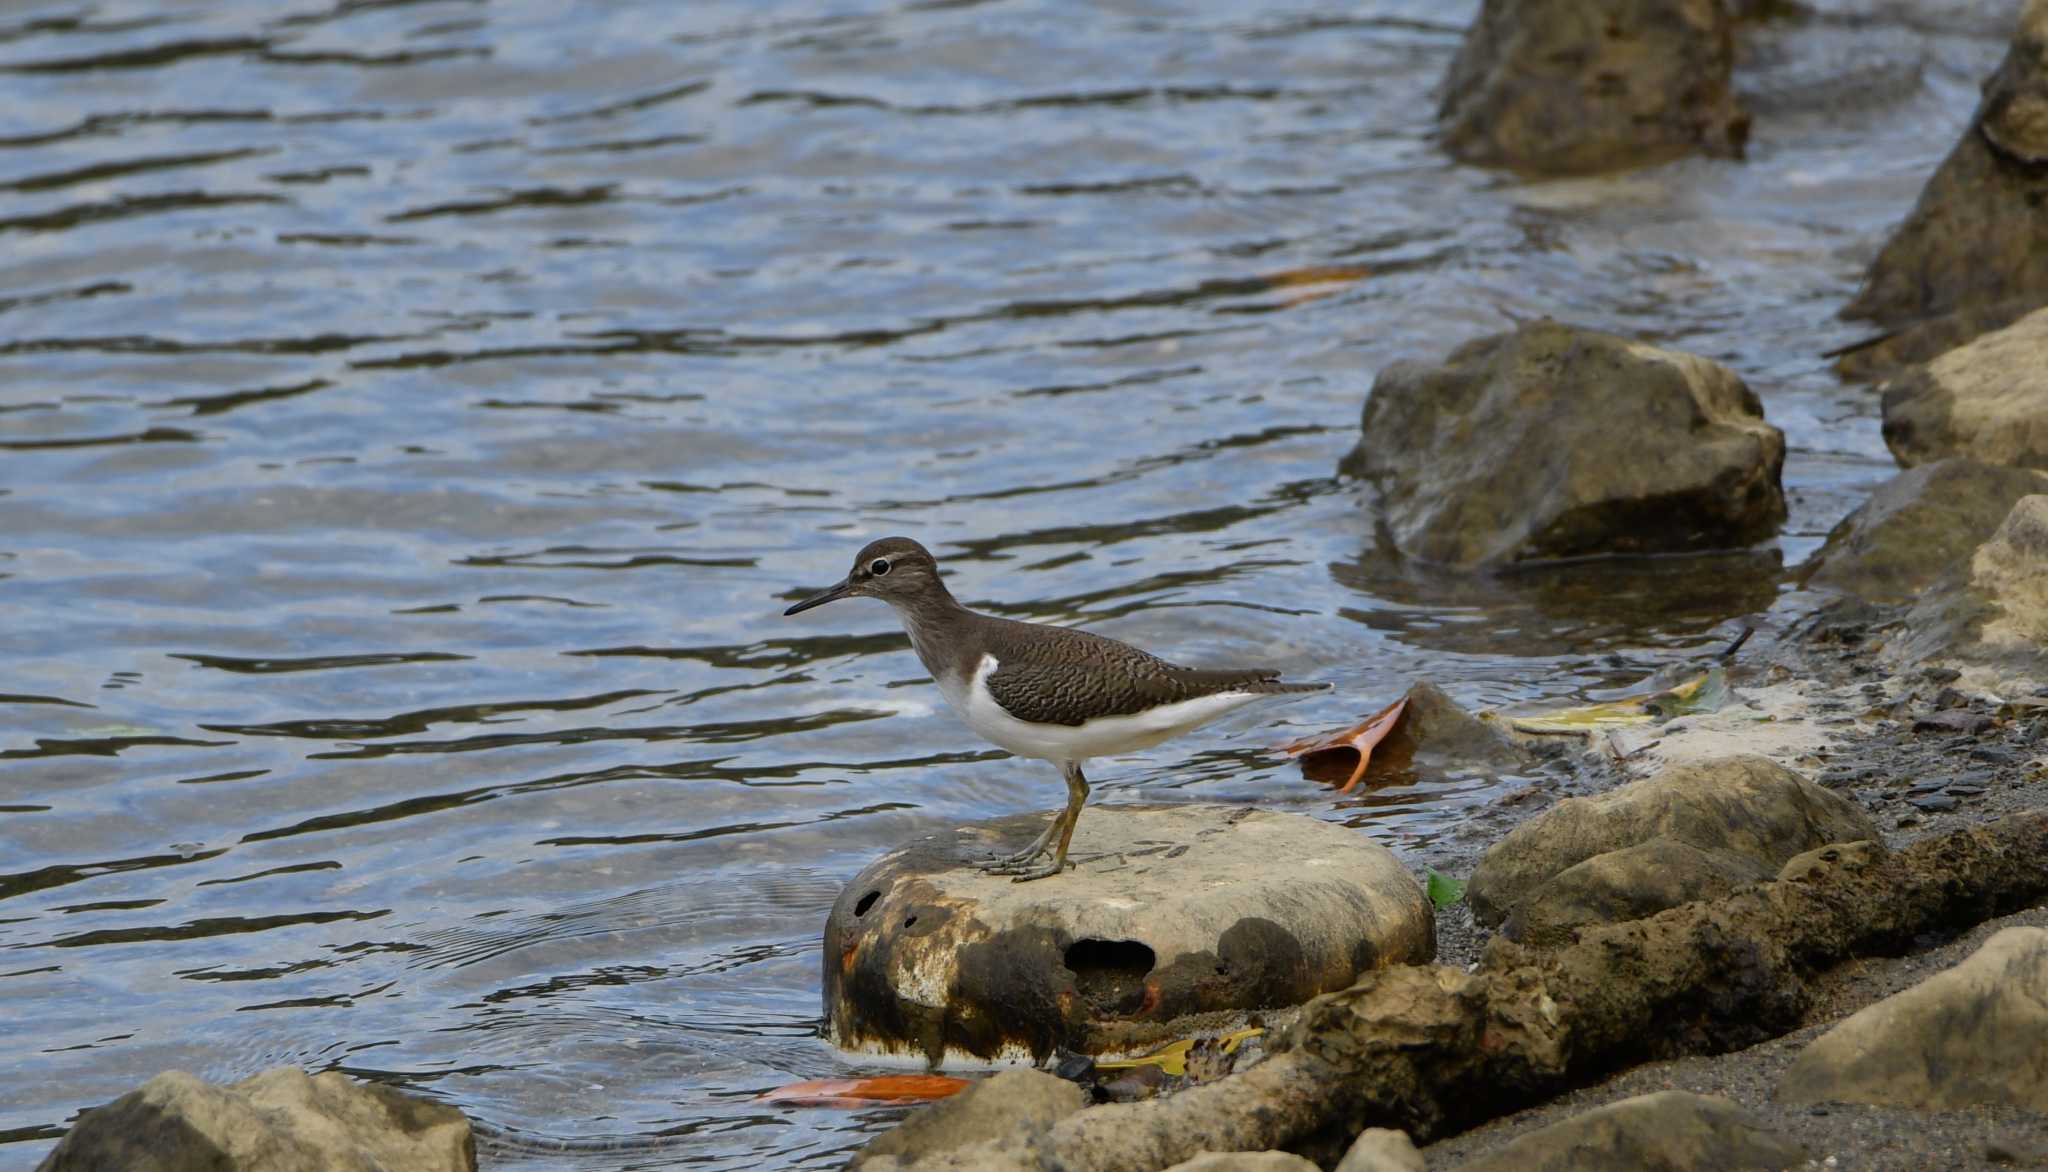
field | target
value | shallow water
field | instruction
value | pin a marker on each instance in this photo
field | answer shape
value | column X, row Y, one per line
column 414, row 417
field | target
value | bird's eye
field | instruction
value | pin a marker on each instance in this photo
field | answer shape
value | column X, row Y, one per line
column 878, row 567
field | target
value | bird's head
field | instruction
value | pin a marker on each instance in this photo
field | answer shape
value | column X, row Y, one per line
column 894, row 569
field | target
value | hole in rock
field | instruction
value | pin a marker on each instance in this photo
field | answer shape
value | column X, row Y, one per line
column 1110, row 974
column 866, row 901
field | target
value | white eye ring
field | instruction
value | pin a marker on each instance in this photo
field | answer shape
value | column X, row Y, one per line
column 878, row 567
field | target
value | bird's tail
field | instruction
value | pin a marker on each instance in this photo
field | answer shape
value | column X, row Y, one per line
column 1276, row 687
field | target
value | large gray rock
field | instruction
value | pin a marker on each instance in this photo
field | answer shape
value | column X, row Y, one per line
column 1670, row 1131
column 1728, row 818
column 1994, row 610
column 1174, row 913
column 1554, row 441
column 1381, row 1149
column 1917, row 527
column 277, row 1121
column 1245, row 1162
column 1973, row 1035
column 1987, row 400
column 1628, row 884
column 1009, row 1108
column 1977, row 240
column 1580, row 86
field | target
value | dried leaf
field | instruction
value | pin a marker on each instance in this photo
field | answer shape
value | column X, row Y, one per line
column 1360, row 738
column 1172, row 1058
column 880, row 1090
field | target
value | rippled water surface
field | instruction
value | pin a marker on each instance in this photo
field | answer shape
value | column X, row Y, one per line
column 415, row 415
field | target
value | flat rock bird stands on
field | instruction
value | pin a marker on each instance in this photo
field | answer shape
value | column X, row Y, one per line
column 1049, row 692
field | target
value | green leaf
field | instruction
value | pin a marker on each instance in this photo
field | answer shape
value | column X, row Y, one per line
column 1443, row 890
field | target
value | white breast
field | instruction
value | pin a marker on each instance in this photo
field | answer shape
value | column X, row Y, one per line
column 1101, row 737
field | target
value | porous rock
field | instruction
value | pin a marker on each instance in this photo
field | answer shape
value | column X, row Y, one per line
column 1977, row 239
column 1725, row 809
column 1553, row 441
column 1987, row 400
column 1436, row 1050
column 1975, row 1034
column 1176, row 919
column 1993, row 611
column 1581, row 86
column 276, row 1121
column 1670, row 1131
column 1008, row 1108
column 1917, row 527
column 1381, row 1149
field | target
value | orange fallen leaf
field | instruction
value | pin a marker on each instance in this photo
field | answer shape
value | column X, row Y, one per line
column 880, row 1090
column 1360, row 738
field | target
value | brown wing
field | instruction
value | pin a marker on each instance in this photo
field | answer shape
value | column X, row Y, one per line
column 1058, row 675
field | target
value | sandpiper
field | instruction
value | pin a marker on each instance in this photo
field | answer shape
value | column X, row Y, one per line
column 1054, row 693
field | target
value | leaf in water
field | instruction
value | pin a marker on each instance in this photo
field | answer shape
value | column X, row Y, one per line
column 866, row 1092
column 1443, row 890
column 1172, row 1058
column 1359, row 738
column 1705, row 693
column 1708, row 693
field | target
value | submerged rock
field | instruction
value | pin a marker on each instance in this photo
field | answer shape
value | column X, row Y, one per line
column 1994, row 610
column 1976, row 1034
column 1553, row 441
column 1691, row 832
column 1987, row 400
column 276, row 1121
column 1581, row 86
column 1977, row 239
column 1670, row 1131
column 1917, row 527
column 1009, row 1108
column 1174, row 914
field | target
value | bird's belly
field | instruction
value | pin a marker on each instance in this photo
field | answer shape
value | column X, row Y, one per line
column 1100, row 737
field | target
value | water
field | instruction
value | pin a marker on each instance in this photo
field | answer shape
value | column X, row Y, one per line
column 414, row 417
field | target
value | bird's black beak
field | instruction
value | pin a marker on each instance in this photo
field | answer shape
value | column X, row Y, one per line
column 839, row 590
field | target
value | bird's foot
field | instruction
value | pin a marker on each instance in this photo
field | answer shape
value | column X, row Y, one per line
column 1014, row 864
column 1046, row 872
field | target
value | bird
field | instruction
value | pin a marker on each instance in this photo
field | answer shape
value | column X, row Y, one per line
column 1059, row 694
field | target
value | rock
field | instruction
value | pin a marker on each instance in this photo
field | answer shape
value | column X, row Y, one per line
column 1628, row 884
column 1581, row 86
column 1978, row 236
column 1741, row 807
column 1995, row 610
column 1438, row 735
column 1245, row 1162
column 276, row 1121
column 1918, row 526
column 1810, row 866
column 1009, row 1108
column 1174, row 912
column 1670, row 1131
column 1987, row 400
column 1381, row 1149
column 1554, row 441
column 1975, row 1034
column 1434, row 737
